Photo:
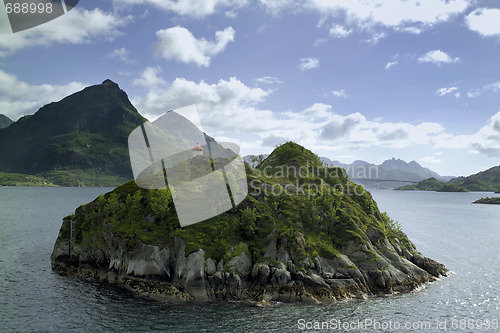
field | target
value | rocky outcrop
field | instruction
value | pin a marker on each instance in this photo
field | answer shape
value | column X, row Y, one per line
column 168, row 273
column 305, row 233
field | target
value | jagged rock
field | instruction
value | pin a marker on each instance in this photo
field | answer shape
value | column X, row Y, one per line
column 280, row 276
column 281, row 266
column 260, row 274
column 220, row 265
column 431, row 266
column 407, row 254
column 148, row 260
column 210, row 267
column 315, row 281
column 193, row 274
column 325, row 266
column 241, row 264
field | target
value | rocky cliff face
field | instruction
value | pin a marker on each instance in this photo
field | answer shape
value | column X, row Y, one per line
column 166, row 273
column 305, row 233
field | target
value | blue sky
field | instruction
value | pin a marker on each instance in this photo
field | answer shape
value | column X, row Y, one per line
column 348, row 79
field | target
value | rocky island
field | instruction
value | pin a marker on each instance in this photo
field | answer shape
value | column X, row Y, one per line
column 488, row 201
column 304, row 233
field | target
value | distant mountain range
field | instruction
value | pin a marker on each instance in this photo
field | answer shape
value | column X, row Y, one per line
column 4, row 121
column 391, row 173
column 80, row 140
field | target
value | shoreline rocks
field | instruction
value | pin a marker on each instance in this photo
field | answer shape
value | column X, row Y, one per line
column 169, row 274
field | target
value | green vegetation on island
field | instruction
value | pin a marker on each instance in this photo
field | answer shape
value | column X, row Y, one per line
column 488, row 201
column 432, row 184
column 305, row 231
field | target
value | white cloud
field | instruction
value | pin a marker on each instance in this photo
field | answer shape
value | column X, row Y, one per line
column 191, row 8
column 320, row 41
column 122, row 53
column 340, row 93
column 392, row 13
column 268, row 80
column 276, row 6
column 273, row 141
column 494, row 87
column 316, row 112
column 18, row 98
column 486, row 141
column 445, row 91
column 391, row 64
column 308, row 63
column 231, row 109
column 79, row 26
column 150, row 78
column 225, row 96
column 430, row 159
column 474, row 93
column 484, row 21
column 488, row 138
column 437, row 57
column 412, row 30
column 339, row 31
column 180, row 45
column 375, row 38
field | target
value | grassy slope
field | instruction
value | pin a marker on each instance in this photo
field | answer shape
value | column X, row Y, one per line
column 325, row 218
column 488, row 180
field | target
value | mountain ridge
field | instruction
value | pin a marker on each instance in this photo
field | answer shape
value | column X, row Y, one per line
column 483, row 181
column 5, row 121
column 83, row 134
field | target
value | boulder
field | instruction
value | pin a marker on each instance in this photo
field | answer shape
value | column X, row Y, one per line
column 240, row 264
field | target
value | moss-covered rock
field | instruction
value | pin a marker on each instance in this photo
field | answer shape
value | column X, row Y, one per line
column 304, row 233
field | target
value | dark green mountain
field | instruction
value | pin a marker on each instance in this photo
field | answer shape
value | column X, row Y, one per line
column 488, row 180
column 80, row 140
column 4, row 121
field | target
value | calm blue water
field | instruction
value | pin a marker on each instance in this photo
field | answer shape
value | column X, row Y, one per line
column 444, row 226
